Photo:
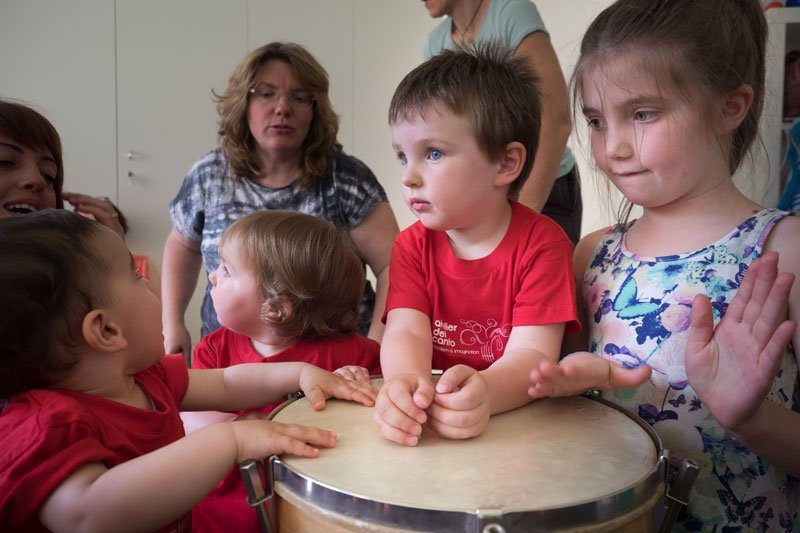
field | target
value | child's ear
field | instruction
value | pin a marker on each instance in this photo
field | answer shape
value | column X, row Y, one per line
column 101, row 333
column 511, row 163
column 735, row 107
column 276, row 310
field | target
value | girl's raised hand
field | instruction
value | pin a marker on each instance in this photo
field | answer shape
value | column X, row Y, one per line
column 318, row 385
column 732, row 367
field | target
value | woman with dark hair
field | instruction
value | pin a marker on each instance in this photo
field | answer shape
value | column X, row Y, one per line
column 32, row 169
column 278, row 150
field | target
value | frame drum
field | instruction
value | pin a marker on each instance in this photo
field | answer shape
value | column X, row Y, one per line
column 577, row 463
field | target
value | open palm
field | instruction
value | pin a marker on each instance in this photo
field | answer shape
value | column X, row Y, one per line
column 732, row 367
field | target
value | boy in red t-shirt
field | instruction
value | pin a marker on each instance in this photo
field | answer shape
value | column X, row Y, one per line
column 92, row 437
column 288, row 288
column 480, row 286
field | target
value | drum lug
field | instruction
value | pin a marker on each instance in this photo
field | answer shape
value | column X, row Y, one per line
column 490, row 521
column 257, row 498
column 664, row 460
column 678, row 492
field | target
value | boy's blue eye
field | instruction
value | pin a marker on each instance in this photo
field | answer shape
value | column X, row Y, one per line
column 225, row 271
column 435, row 155
column 402, row 158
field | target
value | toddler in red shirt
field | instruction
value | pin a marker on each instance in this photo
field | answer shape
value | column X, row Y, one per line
column 481, row 286
column 91, row 433
column 288, row 288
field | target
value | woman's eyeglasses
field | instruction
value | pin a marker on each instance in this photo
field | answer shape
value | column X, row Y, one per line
column 269, row 95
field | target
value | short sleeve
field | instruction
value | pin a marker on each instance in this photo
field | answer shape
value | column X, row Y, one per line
column 547, row 288
column 176, row 375
column 407, row 285
column 205, row 353
column 516, row 19
column 188, row 209
column 38, row 455
column 356, row 189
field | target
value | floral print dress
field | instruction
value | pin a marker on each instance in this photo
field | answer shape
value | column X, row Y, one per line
column 638, row 312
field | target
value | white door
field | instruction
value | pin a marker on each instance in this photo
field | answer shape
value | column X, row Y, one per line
column 170, row 55
column 58, row 57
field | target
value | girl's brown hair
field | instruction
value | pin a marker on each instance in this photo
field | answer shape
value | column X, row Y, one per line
column 237, row 142
column 700, row 49
column 27, row 127
column 304, row 261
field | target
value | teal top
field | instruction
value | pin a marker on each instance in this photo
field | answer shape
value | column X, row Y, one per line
column 507, row 22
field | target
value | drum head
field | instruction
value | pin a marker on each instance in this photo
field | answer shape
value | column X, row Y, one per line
column 548, row 455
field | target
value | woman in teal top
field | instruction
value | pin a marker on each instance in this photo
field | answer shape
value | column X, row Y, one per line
column 553, row 187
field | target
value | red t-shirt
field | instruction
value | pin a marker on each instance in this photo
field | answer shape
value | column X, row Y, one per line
column 224, row 509
column 49, row 433
column 473, row 304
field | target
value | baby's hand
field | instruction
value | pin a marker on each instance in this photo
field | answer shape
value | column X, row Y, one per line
column 580, row 372
column 318, row 384
column 461, row 407
column 354, row 373
column 400, row 408
column 258, row 439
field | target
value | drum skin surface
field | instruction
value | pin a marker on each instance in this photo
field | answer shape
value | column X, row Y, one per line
column 550, row 454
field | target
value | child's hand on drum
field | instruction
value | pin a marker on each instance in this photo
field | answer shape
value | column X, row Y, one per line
column 461, row 406
column 258, row 439
column 582, row 371
column 355, row 373
column 400, row 408
column 318, row 384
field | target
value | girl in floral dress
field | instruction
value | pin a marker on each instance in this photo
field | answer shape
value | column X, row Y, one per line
column 673, row 92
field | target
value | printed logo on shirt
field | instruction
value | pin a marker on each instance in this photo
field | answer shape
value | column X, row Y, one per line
column 489, row 341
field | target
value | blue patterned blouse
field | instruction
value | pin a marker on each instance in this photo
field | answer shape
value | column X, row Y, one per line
column 638, row 312
column 211, row 199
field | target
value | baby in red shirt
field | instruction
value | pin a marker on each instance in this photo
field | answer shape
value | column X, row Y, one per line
column 92, row 437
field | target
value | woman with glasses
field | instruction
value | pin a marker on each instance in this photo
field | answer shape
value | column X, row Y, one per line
column 278, row 150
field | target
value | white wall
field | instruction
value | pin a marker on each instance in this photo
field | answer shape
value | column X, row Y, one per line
column 137, row 75
column 566, row 21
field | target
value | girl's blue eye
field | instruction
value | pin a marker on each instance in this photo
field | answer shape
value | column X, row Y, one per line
column 594, row 123
column 435, row 155
column 402, row 158
column 644, row 116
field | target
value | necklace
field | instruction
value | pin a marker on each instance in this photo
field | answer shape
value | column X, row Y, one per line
column 471, row 20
